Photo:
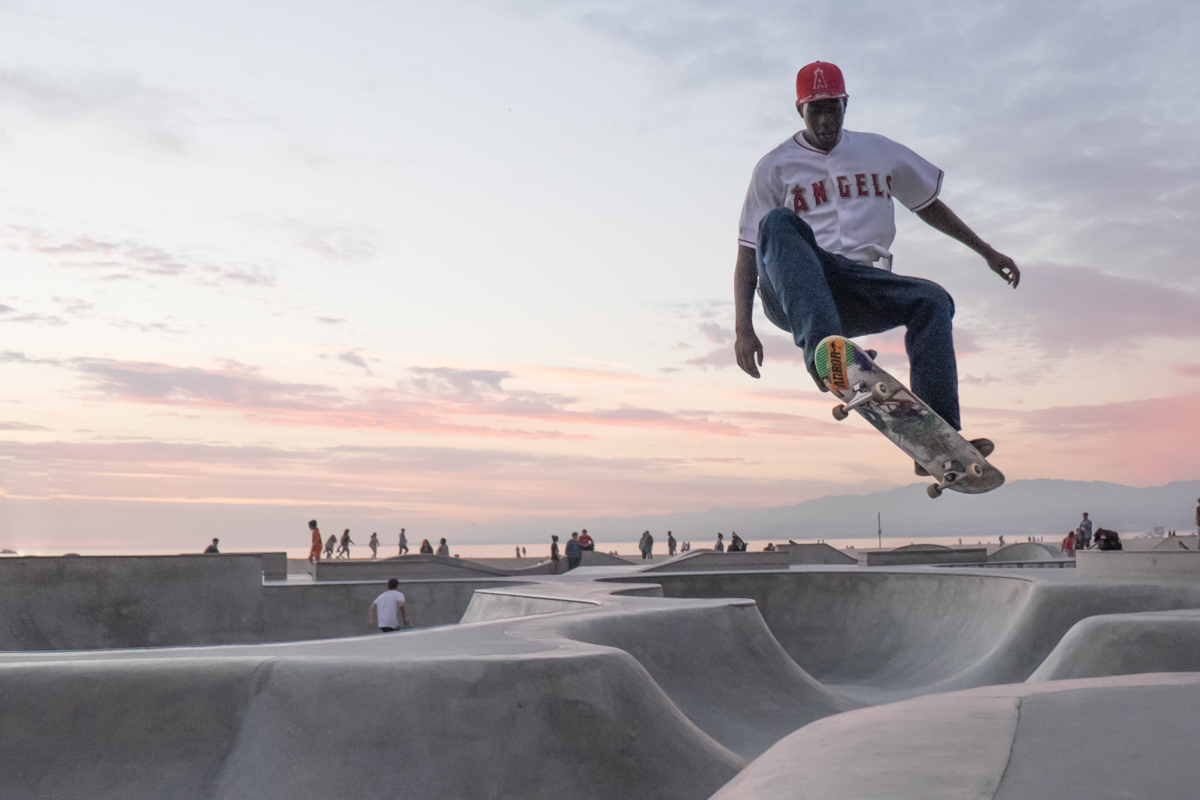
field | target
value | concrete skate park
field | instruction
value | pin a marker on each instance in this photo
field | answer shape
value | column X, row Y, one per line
column 804, row 673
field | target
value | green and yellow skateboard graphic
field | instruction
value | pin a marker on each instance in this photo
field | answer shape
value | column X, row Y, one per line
column 900, row 415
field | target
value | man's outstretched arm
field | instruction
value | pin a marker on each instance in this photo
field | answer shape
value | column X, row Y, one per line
column 745, row 280
column 939, row 216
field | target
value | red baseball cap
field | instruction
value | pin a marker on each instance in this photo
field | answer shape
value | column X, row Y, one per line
column 820, row 80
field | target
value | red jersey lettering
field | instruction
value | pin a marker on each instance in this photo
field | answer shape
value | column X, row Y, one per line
column 875, row 183
column 820, row 194
column 843, row 186
column 860, row 183
column 798, row 202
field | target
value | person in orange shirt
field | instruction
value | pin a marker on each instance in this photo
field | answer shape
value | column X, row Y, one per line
column 314, row 555
column 1068, row 544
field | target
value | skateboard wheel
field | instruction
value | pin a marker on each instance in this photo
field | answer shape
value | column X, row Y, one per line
column 975, row 470
column 880, row 392
column 840, row 413
column 933, row 490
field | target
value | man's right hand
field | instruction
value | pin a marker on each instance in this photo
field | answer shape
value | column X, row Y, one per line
column 749, row 352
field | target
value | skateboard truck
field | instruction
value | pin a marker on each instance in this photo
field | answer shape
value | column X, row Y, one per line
column 862, row 394
column 951, row 472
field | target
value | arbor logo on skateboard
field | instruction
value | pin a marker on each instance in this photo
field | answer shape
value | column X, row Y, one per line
column 831, row 362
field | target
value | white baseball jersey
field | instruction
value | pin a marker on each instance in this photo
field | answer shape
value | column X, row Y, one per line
column 844, row 195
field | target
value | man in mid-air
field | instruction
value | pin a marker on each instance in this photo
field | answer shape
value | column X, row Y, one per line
column 814, row 237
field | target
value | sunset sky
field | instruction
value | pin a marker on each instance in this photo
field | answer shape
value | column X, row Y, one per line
column 456, row 265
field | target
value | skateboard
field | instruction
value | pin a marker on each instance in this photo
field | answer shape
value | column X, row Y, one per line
column 904, row 418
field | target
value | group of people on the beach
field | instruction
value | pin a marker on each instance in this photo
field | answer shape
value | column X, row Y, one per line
column 1082, row 538
column 342, row 546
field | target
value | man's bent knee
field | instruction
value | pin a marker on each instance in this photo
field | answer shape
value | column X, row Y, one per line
column 937, row 301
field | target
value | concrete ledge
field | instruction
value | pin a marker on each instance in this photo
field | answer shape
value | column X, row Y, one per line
column 274, row 566
column 906, row 557
column 91, row 602
column 1153, row 564
column 403, row 568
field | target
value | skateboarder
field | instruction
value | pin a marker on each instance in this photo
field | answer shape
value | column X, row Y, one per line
column 814, row 236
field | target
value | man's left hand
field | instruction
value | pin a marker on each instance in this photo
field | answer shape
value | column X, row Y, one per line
column 1005, row 267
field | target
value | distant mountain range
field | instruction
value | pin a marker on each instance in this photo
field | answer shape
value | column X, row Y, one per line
column 1021, row 508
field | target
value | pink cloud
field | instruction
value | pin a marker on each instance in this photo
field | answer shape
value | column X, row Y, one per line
column 1133, row 442
column 435, row 400
column 1187, row 370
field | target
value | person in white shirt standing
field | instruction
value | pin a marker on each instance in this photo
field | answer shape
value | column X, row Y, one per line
column 814, row 236
column 387, row 611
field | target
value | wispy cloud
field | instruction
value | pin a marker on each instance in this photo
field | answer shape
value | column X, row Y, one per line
column 124, row 259
column 355, row 360
column 155, row 117
column 434, row 400
column 10, row 314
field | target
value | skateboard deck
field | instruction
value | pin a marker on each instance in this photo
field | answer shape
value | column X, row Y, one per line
column 901, row 416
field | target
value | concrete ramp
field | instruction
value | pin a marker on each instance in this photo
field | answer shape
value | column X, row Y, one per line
column 351, row 727
column 886, row 635
column 1180, row 543
column 1136, row 735
column 1026, row 551
column 1125, row 644
column 594, row 558
column 817, row 553
column 700, row 560
column 605, row 691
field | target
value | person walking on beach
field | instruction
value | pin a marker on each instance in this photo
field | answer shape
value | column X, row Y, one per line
column 403, row 542
column 387, row 611
column 314, row 555
column 574, row 552
column 554, row 551
column 344, row 544
column 330, row 543
column 813, row 240
column 373, row 543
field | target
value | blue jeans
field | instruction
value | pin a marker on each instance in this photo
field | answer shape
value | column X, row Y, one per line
column 812, row 294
